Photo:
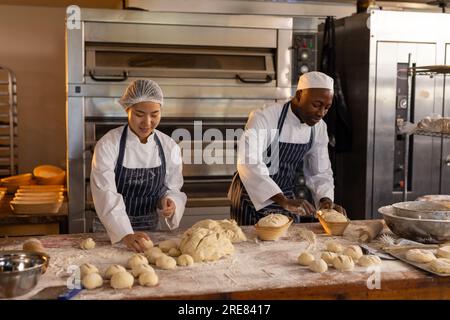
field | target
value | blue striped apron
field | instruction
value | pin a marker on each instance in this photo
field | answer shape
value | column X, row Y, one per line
column 141, row 188
column 290, row 157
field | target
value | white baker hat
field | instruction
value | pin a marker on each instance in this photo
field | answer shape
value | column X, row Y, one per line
column 315, row 79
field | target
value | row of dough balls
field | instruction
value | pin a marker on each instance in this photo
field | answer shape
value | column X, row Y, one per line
column 170, row 247
column 440, row 264
column 119, row 277
column 424, row 256
column 342, row 258
column 339, row 261
column 89, row 244
column 139, row 266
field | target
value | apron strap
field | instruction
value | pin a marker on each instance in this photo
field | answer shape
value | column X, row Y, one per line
column 161, row 153
column 283, row 117
column 123, row 141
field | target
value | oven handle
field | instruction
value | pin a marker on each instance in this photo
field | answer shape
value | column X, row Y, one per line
column 109, row 79
column 267, row 80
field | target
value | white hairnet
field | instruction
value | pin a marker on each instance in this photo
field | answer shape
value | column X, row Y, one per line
column 140, row 91
column 315, row 79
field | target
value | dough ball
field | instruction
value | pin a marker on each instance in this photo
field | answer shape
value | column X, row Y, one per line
column 334, row 246
column 174, row 252
column 328, row 257
column 369, row 260
column 141, row 268
column 34, row 245
column 148, row 244
column 319, row 266
column 273, row 220
column 166, row 245
column 343, row 263
column 166, row 262
column 113, row 269
column 354, row 252
column 444, row 252
column 92, row 281
column 441, row 265
column 305, row 258
column 136, row 259
column 86, row 269
column 331, row 215
column 420, row 255
column 122, row 280
column 185, row 260
column 152, row 254
column 148, row 279
column 87, row 244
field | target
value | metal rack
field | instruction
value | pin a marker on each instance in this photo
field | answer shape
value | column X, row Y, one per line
column 413, row 72
column 8, row 122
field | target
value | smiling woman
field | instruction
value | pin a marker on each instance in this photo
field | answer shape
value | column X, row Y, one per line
column 143, row 118
column 136, row 172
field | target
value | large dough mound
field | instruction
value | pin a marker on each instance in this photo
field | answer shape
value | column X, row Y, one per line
column 273, row 220
column 228, row 226
column 205, row 245
column 331, row 215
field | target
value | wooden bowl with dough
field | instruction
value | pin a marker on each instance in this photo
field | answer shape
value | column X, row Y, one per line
column 272, row 233
column 332, row 228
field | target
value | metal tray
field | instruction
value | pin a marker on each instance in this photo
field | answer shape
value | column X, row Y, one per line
column 400, row 254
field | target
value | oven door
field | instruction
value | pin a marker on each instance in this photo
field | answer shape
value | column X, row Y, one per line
column 244, row 65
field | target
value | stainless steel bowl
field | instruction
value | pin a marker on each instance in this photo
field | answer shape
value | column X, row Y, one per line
column 422, row 210
column 20, row 271
column 421, row 230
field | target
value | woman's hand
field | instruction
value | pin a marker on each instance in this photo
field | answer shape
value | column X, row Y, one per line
column 326, row 203
column 135, row 241
column 167, row 207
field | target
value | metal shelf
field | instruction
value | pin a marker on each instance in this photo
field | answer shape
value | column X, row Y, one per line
column 8, row 122
column 432, row 134
column 429, row 70
column 412, row 72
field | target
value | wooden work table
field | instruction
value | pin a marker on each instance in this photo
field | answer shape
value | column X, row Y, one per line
column 257, row 270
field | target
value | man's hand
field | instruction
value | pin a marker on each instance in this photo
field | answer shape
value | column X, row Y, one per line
column 167, row 207
column 326, row 203
column 135, row 241
column 297, row 206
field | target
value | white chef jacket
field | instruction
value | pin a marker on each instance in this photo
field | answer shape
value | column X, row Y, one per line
column 253, row 172
column 109, row 204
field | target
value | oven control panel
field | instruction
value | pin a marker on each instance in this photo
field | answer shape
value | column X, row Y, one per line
column 304, row 54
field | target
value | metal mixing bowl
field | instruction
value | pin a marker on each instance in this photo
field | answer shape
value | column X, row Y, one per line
column 20, row 271
column 422, row 210
column 421, row 230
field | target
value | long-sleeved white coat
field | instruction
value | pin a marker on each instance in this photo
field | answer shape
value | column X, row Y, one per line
column 260, row 132
column 109, row 204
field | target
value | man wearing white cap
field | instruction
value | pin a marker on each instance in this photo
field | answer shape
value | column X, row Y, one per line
column 136, row 172
column 277, row 140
